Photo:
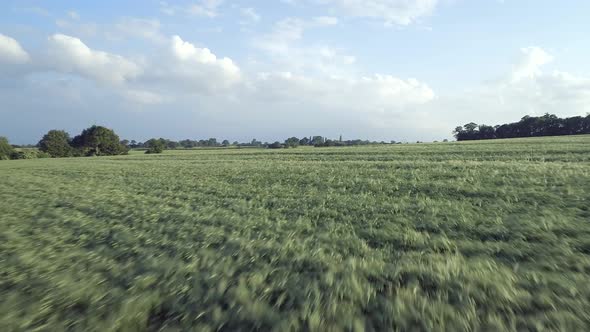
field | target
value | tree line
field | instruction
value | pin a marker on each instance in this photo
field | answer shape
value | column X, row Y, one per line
column 93, row 141
column 291, row 142
column 102, row 141
column 528, row 126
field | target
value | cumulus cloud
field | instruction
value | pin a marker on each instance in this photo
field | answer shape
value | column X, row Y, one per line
column 377, row 94
column 526, row 89
column 70, row 55
column 11, row 52
column 186, row 67
column 287, row 48
column 529, row 66
column 538, row 91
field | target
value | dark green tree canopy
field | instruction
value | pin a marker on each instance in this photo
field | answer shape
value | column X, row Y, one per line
column 292, row 142
column 6, row 150
column 56, row 143
column 99, row 141
column 528, row 126
column 155, row 145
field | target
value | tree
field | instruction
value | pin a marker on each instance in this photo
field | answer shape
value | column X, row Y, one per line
column 486, row 132
column 292, row 142
column 56, row 143
column 317, row 140
column 99, row 141
column 171, row 145
column 155, row 146
column 304, row 141
column 187, row 144
column 275, row 145
column 528, row 126
column 6, row 150
column 225, row 143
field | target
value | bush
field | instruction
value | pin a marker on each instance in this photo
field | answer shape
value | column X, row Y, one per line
column 25, row 154
column 276, row 145
column 41, row 154
column 6, row 150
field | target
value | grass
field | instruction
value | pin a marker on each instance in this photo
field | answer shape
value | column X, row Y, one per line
column 468, row 236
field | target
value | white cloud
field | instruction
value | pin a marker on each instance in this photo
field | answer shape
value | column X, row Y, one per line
column 70, row 55
column 325, row 20
column 376, row 95
column 526, row 89
column 74, row 15
column 194, row 69
column 84, row 29
column 250, row 15
column 537, row 91
column 149, row 29
column 11, row 51
column 401, row 12
column 286, row 47
column 203, row 8
column 289, row 30
column 208, row 8
column 188, row 53
column 529, row 66
column 34, row 10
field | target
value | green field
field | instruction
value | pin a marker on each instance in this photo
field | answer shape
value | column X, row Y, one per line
column 471, row 236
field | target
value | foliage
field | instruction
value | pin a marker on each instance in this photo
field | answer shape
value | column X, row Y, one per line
column 56, row 143
column 276, row 145
column 6, row 150
column 468, row 236
column 99, row 141
column 155, row 145
column 528, row 126
column 26, row 154
column 292, row 142
column 41, row 154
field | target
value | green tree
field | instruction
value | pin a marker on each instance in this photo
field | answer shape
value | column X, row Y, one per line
column 292, row 142
column 275, row 145
column 155, row 146
column 6, row 150
column 304, row 141
column 56, row 143
column 225, row 143
column 99, row 141
column 317, row 140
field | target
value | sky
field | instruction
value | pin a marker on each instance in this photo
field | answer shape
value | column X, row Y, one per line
column 234, row 69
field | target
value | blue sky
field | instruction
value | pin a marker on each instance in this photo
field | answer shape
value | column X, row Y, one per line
column 376, row 69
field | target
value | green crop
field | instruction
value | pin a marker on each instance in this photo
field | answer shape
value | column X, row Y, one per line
column 474, row 236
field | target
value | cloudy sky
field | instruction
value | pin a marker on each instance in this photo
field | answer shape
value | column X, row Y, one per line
column 376, row 69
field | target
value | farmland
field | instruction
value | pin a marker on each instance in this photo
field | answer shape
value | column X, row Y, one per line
column 487, row 235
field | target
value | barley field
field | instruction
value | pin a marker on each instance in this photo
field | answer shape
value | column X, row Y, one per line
column 474, row 236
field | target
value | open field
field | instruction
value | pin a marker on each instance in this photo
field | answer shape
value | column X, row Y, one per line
column 490, row 235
